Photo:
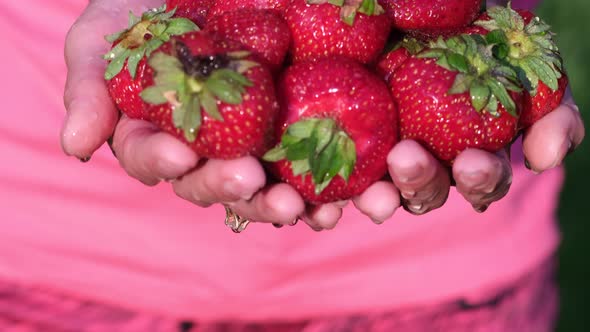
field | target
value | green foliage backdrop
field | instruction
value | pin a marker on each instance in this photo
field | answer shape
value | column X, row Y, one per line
column 571, row 21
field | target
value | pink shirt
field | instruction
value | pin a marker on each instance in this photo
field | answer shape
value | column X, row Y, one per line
column 92, row 231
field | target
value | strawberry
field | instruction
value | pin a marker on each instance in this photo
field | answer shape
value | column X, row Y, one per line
column 127, row 57
column 322, row 28
column 526, row 42
column 431, row 18
column 543, row 102
column 224, row 6
column 263, row 32
column 195, row 10
column 338, row 122
column 211, row 96
column 465, row 99
column 389, row 62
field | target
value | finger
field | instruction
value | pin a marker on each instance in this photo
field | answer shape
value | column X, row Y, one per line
column 222, row 181
column 91, row 115
column 277, row 204
column 482, row 177
column 422, row 180
column 379, row 202
column 547, row 142
column 150, row 155
column 322, row 217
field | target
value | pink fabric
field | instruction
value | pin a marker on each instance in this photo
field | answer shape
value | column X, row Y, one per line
column 91, row 231
column 529, row 305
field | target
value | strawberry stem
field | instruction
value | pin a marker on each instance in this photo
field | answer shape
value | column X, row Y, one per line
column 529, row 47
column 190, row 83
column 486, row 78
column 350, row 8
column 317, row 147
column 143, row 36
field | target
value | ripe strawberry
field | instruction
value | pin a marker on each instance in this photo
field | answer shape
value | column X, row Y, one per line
column 338, row 123
column 224, row 6
column 431, row 18
column 195, row 10
column 535, row 107
column 211, row 96
column 466, row 99
column 127, row 58
column 526, row 42
column 389, row 62
column 263, row 32
column 354, row 28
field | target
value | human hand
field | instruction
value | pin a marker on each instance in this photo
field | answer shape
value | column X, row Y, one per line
column 481, row 177
column 150, row 155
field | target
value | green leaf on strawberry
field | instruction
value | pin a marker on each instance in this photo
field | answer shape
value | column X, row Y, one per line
column 350, row 8
column 319, row 147
column 486, row 78
column 143, row 36
column 191, row 84
column 528, row 46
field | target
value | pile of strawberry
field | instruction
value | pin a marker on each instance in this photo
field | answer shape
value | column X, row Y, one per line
column 321, row 90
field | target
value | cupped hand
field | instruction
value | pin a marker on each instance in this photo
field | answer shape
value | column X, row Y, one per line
column 481, row 177
column 151, row 156
column 146, row 153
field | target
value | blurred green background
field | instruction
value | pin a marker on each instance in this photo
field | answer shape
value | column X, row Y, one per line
column 571, row 21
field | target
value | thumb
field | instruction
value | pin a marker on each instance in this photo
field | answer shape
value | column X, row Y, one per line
column 91, row 115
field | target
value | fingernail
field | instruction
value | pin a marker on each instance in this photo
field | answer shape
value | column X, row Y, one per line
column 317, row 229
column 566, row 146
column 571, row 149
column 474, row 179
column 409, row 174
column 408, row 194
column 294, row 222
column 84, row 160
column 277, row 225
column 414, row 208
column 527, row 164
column 481, row 208
column 80, row 118
column 110, row 144
column 378, row 222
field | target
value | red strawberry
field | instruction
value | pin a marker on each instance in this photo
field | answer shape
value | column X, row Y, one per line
column 357, row 29
column 211, row 96
column 392, row 60
column 337, row 125
column 223, row 6
column 535, row 107
column 127, row 58
column 526, row 42
column 195, row 10
column 462, row 101
column 432, row 18
column 263, row 32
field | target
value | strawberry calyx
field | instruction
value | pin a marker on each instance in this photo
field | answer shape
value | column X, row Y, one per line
column 189, row 83
column 412, row 45
column 487, row 79
column 528, row 47
column 350, row 8
column 143, row 36
column 317, row 146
